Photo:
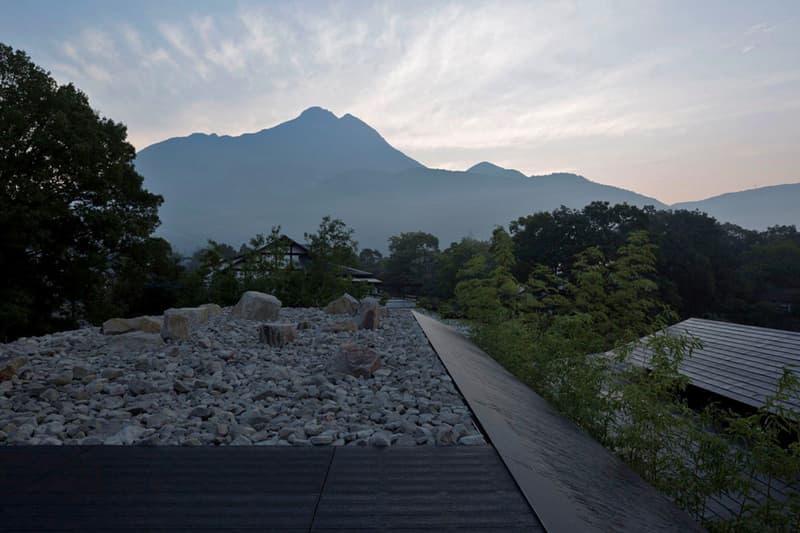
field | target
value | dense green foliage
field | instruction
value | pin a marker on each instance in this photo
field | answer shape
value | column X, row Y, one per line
column 74, row 219
column 569, row 335
column 703, row 268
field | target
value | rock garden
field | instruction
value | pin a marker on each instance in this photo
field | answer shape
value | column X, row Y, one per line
column 352, row 374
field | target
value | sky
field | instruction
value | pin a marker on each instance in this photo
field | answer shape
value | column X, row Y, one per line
column 679, row 100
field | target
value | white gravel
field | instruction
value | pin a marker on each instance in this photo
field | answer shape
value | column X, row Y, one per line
column 224, row 387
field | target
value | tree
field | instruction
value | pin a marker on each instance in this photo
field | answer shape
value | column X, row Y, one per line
column 331, row 248
column 488, row 291
column 371, row 260
column 72, row 207
column 453, row 259
column 412, row 261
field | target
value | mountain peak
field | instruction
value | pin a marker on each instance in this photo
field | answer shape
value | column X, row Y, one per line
column 490, row 169
column 317, row 113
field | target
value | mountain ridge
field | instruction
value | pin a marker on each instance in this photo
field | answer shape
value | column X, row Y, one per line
column 228, row 188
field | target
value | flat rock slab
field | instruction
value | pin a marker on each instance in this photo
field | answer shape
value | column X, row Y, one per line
column 99, row 488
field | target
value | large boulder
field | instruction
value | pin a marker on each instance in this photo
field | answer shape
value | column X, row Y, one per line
column 277, row 334
column 195, row 315
column 343, row 305
column 211, row 310
column 356, row 360
column 116, row 326
column 369, row 314
column 255, row 305
column 176, row 325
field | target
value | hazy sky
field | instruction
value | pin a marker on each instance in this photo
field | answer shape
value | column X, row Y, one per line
column 677, row 100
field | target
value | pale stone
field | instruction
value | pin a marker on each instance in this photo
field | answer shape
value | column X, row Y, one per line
column 343, row 305
column 212, row 310
column 176, row 325
column 358, row 361
column 148, row 324
column 369, row 314
column 277, row 334
column 255, row 305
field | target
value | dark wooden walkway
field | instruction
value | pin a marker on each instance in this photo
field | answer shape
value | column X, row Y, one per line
column 104, row 488
column 571, row 481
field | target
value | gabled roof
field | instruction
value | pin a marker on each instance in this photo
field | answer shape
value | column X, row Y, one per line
column 291, row 242
column 743, row 363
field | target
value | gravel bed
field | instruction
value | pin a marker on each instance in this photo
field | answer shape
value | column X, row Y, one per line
column 225, row 387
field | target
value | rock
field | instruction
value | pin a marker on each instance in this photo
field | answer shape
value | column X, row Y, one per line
column 115, row 326
column 277, row 334
column 135, row 341
column 212, row 310
column 255, row 305
column 176, row 325
column 406, row 441
column 319, row 440
column 203, row 413
column 358, row 361
column 472, row 440
column 139, row 386
column 312, row 429
column 111, row 373
column 126, row 436
column 380, row 439
column 50, row 395
column 63, row 378
column 9, row 367
column 79, row 372
column 180, row 388
column 422, row 435
column 369, row 315
column 338, row 327
column 446, row 436
column 343, row 305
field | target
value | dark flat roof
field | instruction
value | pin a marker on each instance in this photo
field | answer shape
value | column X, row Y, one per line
column 571, row 481
column 118, row 488
column 739, row 362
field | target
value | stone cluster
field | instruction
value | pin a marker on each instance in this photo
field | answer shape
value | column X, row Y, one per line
column 222, row 382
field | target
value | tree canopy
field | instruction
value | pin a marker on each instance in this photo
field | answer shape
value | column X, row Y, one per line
column 72, row 207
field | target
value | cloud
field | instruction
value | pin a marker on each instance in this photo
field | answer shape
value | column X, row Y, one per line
column 450, row 81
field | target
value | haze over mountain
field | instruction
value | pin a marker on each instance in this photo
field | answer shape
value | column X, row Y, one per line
column 230, row 188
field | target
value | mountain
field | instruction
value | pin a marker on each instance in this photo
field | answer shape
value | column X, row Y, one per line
column 230, row 188
column 489, row 169
column 755, row 208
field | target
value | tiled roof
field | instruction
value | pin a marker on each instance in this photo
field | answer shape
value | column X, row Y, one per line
column 743, row 363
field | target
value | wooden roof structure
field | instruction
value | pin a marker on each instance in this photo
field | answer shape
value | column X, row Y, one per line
column 738, row 362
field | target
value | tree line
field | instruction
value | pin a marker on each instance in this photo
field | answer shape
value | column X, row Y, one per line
column 703, row 268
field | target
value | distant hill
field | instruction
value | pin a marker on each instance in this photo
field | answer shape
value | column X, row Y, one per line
column 230, row 188
column 755, row 208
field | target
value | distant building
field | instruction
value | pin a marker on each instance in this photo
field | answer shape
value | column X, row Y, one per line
column 298, row 255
